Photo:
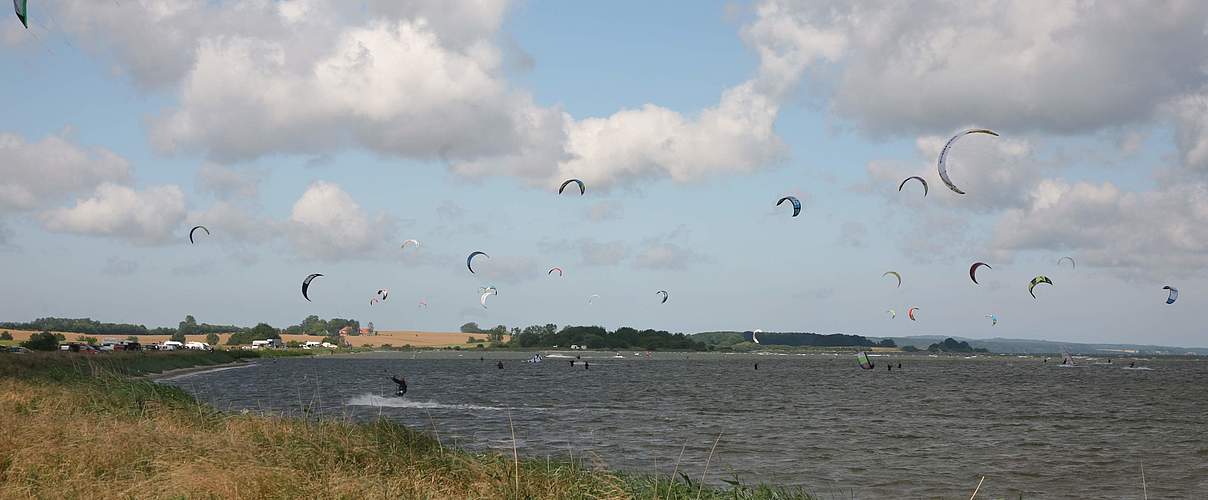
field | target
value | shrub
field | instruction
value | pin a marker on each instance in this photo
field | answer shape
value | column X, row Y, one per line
column 44, row 341
column 6, row 335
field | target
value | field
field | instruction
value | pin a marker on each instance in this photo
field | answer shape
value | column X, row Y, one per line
column 82, row 427
column 396, row 338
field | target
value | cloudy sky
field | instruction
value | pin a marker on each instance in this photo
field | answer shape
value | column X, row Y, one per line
column 314, row 136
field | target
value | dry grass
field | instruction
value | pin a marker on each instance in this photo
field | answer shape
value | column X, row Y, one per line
column 130, row 438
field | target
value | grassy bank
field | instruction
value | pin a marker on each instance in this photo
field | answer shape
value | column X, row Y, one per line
column 84, row 426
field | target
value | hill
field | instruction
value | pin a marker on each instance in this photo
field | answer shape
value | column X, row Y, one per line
column 1029, row 346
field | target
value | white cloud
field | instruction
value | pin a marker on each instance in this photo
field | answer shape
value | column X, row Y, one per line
column 33, row 174
column 228, row 183
column 326, row 223
column 1063, row 66
column 1163, row 231
column 231, row 221
column 149, row 216
column 667, row 251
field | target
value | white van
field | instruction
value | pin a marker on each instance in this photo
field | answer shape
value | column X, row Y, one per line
column 171, row 345
column 201, row 346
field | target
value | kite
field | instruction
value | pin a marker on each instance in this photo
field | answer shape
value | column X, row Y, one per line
column 593, row 297
column 582, row 188
column 203, row 228
column 380, row 296
column 306, row 285
column 973, row 271
column 1036, row 281
column 22, row 12
column 483, row 299
column 1071, row 259
column 796, row 204
column 862, row 359
column 470, row 260
column 910, row 312
column 1174, row 294
column 422, row 303
column 942, row 164
column 993, row 319
column 892, row 313
column 754, row 338
column 552, row 269
column 413, row 242
column 895, row 274
column 920, row 179
column 664, row 294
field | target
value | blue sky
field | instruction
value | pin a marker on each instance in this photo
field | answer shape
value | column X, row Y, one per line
column 311, row 138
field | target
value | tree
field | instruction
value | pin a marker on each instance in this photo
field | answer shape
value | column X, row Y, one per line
column 86, row 340
column 6, row 335
column 887, row 343
column 264, row 331
column 212, row 338
column 471, row 339
column 470, row 327
column 188, row 326
column 132, row 338
column 177, row 336
column 44, row 341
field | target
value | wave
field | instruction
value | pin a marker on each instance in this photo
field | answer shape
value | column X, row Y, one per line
column 1137, row 368
column 397, row 402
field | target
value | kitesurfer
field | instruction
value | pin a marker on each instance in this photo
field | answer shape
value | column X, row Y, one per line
column 756, row 366
column 586, row 365
column 899, row 366
column 499, row 365
column 572, row 362
column 402, row 385
column 1132, row 364
column 889, row 366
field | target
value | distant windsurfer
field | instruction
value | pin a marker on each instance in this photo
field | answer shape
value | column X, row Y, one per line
column 402, row 385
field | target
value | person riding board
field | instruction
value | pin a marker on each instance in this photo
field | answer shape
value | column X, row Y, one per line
column 402, row 385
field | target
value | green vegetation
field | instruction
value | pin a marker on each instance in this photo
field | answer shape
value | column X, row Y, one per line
column 595, row 337
column 87, row 340
column 951, row 346
column 729, row 339
column 313, row 325
column 91, row 327
column 495, row 335
column 719, row 339
column 262, row 331
column 82, row 427
column 6, row 335
column 43, row 341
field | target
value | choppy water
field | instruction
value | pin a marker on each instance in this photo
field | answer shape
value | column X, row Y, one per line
column 928, row 430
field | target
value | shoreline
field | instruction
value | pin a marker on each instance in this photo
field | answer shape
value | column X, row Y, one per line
column 156, row 377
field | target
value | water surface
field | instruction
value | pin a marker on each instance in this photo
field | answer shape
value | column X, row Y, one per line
column 928, row 430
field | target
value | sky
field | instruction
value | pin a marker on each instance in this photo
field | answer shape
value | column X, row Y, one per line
column 315, row 136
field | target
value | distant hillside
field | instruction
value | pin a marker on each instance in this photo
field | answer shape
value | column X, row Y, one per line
column 1026, row 346
column 722, row 339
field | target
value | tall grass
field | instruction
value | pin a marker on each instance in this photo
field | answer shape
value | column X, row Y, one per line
column 81, row 426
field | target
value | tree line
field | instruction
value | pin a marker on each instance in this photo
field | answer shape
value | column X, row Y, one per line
column 595, row 337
